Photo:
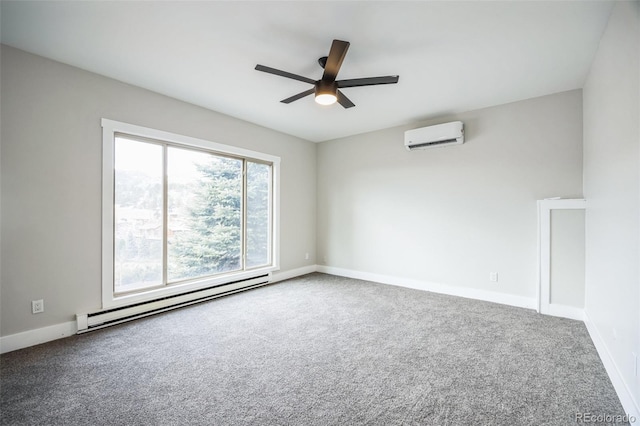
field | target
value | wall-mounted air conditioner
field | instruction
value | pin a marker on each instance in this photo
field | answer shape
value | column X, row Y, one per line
column 433, row 136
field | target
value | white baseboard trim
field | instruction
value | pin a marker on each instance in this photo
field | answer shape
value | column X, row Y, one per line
column 563, row 311
column 292, row 273
column 34, row 337
column 466, row 292
column 630, row 405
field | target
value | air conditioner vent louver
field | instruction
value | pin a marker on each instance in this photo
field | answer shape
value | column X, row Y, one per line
column 435, row 136
column 428, row 144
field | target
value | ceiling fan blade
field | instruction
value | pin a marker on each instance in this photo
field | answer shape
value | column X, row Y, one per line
column 369, row 81
column 344, row 101
column 334, row 60
column 298, row 96
column 284, row 74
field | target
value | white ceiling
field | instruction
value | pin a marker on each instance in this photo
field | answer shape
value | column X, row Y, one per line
column 451, row 56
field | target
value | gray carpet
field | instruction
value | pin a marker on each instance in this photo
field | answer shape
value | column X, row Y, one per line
column 315, row 350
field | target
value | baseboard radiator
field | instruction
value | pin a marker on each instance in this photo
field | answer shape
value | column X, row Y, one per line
column 108, row 317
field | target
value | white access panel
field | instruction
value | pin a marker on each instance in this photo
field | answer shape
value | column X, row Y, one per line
column 556, row 290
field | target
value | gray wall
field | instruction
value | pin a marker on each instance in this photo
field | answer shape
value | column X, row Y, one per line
column 451, row 215
column 612, row 190
column 51, row 181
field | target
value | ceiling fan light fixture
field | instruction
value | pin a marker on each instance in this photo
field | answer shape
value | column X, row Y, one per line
column 326, row 98
column 326, row 92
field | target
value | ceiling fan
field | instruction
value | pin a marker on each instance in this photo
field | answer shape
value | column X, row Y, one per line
column 327, row 89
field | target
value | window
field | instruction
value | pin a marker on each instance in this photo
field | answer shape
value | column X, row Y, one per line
column 181, row 214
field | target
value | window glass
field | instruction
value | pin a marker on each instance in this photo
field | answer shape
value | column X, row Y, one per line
column 258, row 214
column 138, row 215
column 204, row 214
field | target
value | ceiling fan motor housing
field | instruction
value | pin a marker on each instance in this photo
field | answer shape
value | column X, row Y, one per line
column 326, row 87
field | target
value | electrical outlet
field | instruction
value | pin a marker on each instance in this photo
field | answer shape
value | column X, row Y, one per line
column 37, row 306
column 493, row 277
column 306, row 256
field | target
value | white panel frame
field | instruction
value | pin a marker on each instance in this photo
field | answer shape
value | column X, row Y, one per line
column 109, row 130
column 544, row 305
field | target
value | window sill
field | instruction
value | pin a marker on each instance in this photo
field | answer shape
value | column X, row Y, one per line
column 153, row 294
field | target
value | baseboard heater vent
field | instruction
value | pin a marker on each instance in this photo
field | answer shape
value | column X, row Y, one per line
column 108, row 317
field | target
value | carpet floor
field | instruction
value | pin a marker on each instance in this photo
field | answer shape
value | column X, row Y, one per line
column 315, row 350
